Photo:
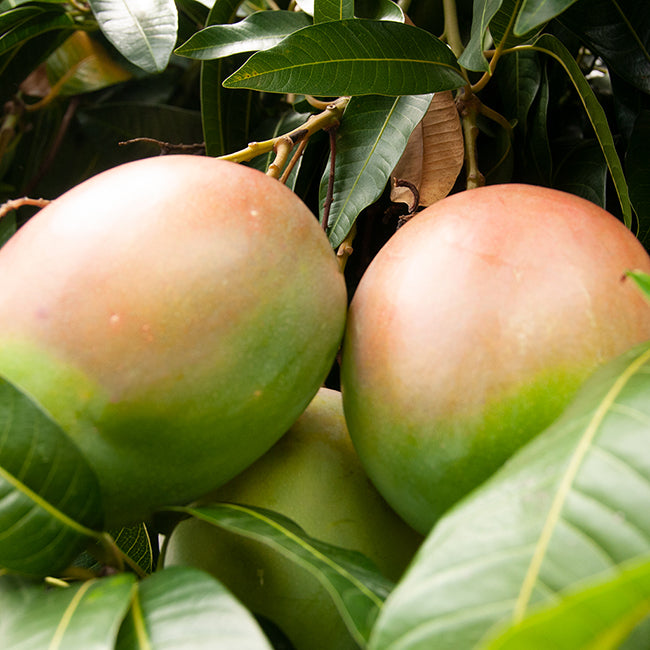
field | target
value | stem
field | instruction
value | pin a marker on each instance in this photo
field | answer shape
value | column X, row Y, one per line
column 452, row 31
column 14, row 204
column 327, row 118
column 293, row 162
column 469, row 108
column 345, row 249
column 329, row 197
column 282, row 149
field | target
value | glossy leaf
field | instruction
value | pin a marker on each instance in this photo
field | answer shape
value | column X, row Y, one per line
column 583, row 172
column 143, row 31
column 325, row 10
column 83, row 616
column 357, row 588
column 637, row 167
column 259, row 31
column 41, row 23
column 600, row 615
column 370, row 141
column 82, row 65
column 538, row 162
column 378, row 10
column 569, row 506
column 352, row 57
column 472, row 57
column 617, row 31
column 519, row 77
column 49, row 496
column 182, row 607
column 503, row 25
column 225, row 113
column 642, row 280
column 535, row 13
column 554, row 48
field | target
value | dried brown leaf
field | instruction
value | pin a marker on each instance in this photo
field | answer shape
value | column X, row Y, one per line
column 434, row 156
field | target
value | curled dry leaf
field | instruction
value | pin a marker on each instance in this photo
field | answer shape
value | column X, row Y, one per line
column 434, row 155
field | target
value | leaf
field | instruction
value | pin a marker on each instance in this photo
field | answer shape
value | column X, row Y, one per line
column 259, row 31
column 82, row 65
column 352, row 57
column 569, row 506
column 617, row 31
column 538, row 161
column 583, row 172
column 135, row 542
column 373, row 134
column 41, row 23
column 49, row 496
column 436, row 153
column 355, row 585
column 378, row 10
column 143, row 31
column 472, row 57
column 642, row 280
column 637, row 167
column 519, row 76
column 183, row 607
column 226, row 114
column 325, row 10
column 553, row 47
column 84, row 616
column 535, row 13
column 600, row 615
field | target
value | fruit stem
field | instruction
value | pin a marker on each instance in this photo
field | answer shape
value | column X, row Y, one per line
column 317, row 122
column 452, row 31
column 14, row 204
column 469, row 106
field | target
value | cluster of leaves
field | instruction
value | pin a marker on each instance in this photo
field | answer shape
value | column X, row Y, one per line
column 552, row 92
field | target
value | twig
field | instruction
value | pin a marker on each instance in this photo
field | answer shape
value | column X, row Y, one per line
column 14, row 204
column 282, row 148
column 345, row 249
column 317, row 122
column 329, row 197
column 168, row 147
column 468, row 105
column 294, row 160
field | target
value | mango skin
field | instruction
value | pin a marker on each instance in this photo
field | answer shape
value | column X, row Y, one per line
column 473, row 328
column 175, row 315
column 313, row 476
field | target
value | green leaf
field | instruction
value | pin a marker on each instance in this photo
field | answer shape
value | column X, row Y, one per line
column 325, row 10
column 569, row 506
column 49, row 496
column 82, row 65
column 519, row 77
column 259, row 31
column 502, row 25
column 143, row 31
column 472, row 57
column 41, row 23
column 135, row 542
column 617, row 31
column 226, row 114
column 183, row 607
column 600, row 615
column 583, row 172
column 378, row 10
column 535, row 13
column 637, row 167
column 355, row 585
column 370, row 141
column 352, row 57
column 553, row 47
column 78, row 617
column 642, row 280
column 538, row 161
